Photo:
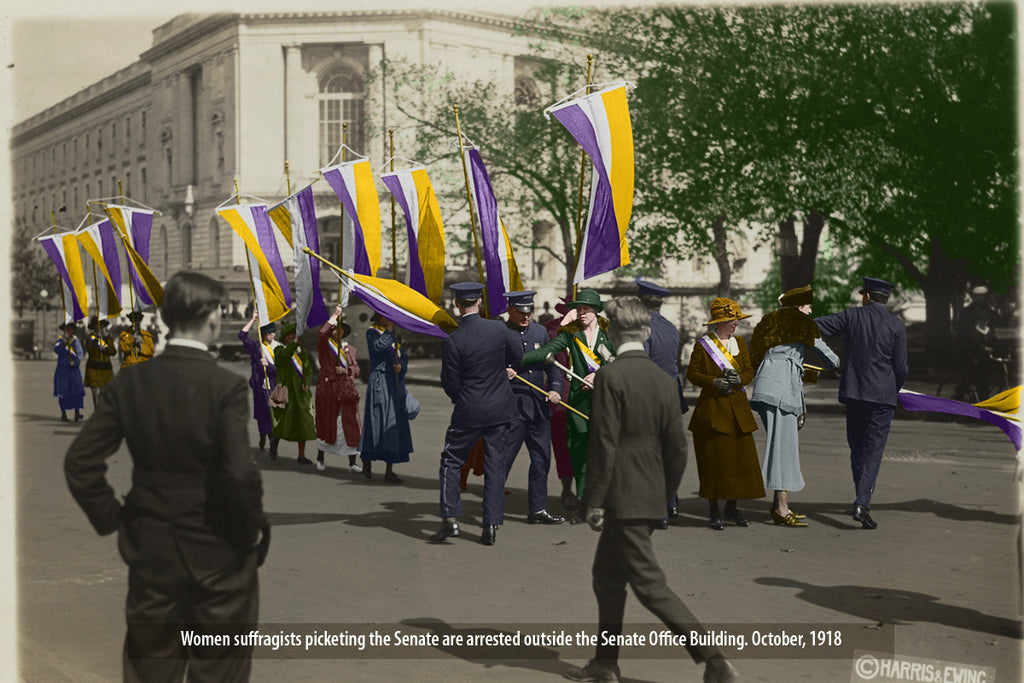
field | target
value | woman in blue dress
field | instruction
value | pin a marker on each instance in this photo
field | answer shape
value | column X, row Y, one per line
column 263, row 374
column 386, row 435
column 67, row 378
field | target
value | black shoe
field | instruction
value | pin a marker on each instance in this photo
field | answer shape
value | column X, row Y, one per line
column 593, row 671
column 263, row 442
column 303, row 460
column 569, row 501
column 392, row 478
column 367, row 472
column 719, row 670
column 78, row 417
column 489, row 534
column 447, row 530
column 543, row 517
column 663, row 524
column 273, row 454
column 737, row 518
column 64, row 418
column 861, row 514
column 716, row 524
column 673, row 511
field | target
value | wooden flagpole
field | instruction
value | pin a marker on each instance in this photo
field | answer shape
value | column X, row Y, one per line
column 472, row 213
column 579, row 210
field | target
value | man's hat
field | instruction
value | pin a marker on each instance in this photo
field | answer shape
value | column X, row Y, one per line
column 267, row 329
column 64, row 326
column 872, row 284
column 587, row 297
column 800, row 296
column 521, row 301
column 467, row 291
column 723, row 310
column 646, row 287
column 287, row 328
column 135, row 316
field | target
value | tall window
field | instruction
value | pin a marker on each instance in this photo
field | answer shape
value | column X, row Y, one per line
column 214, row 242
column 186, row 245
column 128, row 133
column 142, row 180
column 341, row 100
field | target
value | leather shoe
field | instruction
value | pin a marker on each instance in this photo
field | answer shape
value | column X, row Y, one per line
column 716, row 524
column 719, row 670
column 861, row 514
column 790, row 519
column 737, row 518
column 797, row 514
column 543, row 517
column 392, row 478
column 662, row 524
column 593, row 671
column 303, row 460
column 447, row 530
column 489, row 534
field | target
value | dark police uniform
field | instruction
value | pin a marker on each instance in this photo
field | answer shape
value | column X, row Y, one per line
column 473, row 362
column 875, row 349
column 531, row 413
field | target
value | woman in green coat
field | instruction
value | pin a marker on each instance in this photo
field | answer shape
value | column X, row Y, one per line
column 295, row 421
column 583, row 336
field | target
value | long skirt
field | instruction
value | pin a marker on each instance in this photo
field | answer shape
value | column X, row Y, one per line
column 781, row 466
column 727, row 466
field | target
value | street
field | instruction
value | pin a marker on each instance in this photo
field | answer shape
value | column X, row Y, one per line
column 940, row 573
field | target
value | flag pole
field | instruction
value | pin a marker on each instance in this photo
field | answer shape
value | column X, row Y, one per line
column 394, row 247
column 252, row 287
column 341, row 236
column 579, row 209
column 560, row 403
column 472, row 213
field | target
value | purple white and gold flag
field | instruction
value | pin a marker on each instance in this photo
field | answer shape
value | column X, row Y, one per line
column 134, row 226
column 352, row 182
column 600, row 124
column 401, row 304
column 273, row 297
column 502, row 272
column 100, row 242
column 1002, row 410
column 295, row 217
column 414, row 192
column 63, row 251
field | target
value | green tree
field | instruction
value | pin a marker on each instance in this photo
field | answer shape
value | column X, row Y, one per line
column 32, row 273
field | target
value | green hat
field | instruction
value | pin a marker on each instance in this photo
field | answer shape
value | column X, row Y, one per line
column 587, row 297
column 287, row 328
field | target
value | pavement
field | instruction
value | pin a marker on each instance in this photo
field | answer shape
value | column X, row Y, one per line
column 938, row 581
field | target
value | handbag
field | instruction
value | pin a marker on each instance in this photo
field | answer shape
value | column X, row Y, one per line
column 279, row 396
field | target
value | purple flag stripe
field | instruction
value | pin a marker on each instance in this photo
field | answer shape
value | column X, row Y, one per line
column 268, row 242
column 416, row 279
column 916, row 402
column 54, row 252
column 108, row 247
column 362, row 259
column 490, row 234
column 307, row 210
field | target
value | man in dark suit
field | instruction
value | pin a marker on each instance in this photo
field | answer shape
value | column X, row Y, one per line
column 191, row 529
column 473, row 362
column 635, row 461
column 531, row 416
column 875, row 368
column 663, row 348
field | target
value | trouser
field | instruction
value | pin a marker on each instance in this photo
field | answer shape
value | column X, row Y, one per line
column 226, row 603
column 560, row 442
column 536, row 434
column 458, row 442
column 624, row 556
column 867, row 430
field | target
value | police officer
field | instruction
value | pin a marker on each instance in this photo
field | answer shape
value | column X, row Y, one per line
column 875, row 344
column 663, row 348
column 531, row 417
column 474, row 359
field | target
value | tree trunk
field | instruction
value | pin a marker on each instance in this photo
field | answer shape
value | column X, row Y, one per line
column 939, row 289
column 722, row 257
column 813, row 227
column 789, row 256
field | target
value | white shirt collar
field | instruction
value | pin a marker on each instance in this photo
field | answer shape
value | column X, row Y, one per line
column 629, row 346
column 191, row 343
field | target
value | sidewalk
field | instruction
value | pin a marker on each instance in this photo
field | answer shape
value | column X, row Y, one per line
column 822, row 397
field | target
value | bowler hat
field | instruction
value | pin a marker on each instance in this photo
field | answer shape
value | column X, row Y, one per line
column 799, row 296
column 587, row 297
column 723, row 310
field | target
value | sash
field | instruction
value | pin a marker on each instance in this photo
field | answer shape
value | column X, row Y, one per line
column 396, row 348
column 297, row 363
column 591, row 359
column 719, row 354
column 268, row 352
column 338, row 355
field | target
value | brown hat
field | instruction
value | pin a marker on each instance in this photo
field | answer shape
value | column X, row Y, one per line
column 723, row 310
column 800, row 296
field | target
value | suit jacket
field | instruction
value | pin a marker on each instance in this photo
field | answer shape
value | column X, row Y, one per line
column 663, row 347
column 875, row 346
column 530, row 403
column 196, row 492
column 714, row 410
column 637, row 448
column 473, row 362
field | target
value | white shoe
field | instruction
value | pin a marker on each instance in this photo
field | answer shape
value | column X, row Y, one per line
column 355, row 468
column 320, row 466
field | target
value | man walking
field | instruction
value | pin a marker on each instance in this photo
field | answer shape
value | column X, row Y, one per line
column 191, row 528
column 875, row 368
column 473, row 362
column 531, row 416
column 637, row 454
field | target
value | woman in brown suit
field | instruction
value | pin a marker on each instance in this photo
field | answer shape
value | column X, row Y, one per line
column 722, row 422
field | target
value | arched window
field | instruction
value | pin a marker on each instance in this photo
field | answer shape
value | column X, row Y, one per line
column 527, row 93
column 341, row 100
